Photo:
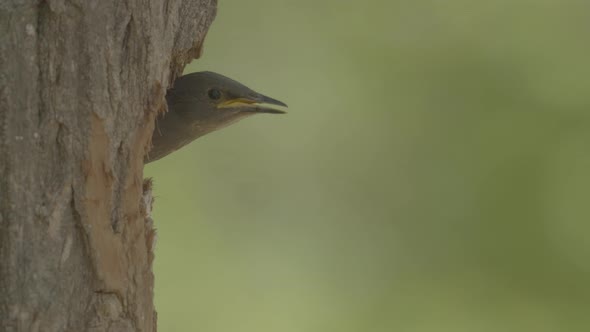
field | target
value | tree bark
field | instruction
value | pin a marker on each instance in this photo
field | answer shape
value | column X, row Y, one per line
column 80, row 85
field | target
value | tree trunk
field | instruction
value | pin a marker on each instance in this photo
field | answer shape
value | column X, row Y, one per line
column 80, row 85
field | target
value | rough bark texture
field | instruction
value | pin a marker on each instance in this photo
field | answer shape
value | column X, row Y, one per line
column 80, row 85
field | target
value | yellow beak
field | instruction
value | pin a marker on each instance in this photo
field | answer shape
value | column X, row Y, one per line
column 256, row 104
column 236, row 103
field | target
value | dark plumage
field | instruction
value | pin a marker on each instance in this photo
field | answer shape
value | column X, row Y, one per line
column 200, row 103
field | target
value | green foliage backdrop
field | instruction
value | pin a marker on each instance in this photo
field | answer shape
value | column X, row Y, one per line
column 432, row 173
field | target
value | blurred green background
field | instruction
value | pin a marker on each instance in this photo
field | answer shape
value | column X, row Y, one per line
column 432, row 173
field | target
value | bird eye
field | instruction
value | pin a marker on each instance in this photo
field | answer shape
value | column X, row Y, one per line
column 214, row 94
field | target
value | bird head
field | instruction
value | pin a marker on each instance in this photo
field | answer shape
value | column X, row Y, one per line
column 210, row 101
column 200, row 103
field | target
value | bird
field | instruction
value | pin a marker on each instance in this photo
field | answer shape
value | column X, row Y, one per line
column 200, row 103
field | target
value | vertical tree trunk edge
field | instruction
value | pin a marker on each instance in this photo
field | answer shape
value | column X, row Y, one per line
column 81, row 83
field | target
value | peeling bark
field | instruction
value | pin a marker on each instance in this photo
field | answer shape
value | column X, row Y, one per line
column 80, row 85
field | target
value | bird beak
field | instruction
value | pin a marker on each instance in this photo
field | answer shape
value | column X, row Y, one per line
column 255, row 103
